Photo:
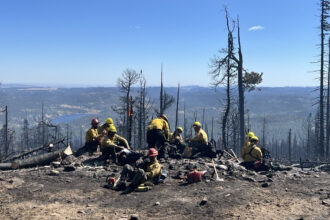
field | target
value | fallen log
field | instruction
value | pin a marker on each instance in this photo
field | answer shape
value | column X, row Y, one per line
column 5, row 166
column 38, row 160
column 25, row 153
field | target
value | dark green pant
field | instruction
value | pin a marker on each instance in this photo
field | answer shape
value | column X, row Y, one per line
column 155, row 138
column 90, row 147
column 108, row 152
column 197, row 148
column 137, row 176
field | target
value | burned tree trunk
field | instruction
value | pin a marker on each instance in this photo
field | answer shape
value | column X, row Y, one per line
column 177, row 107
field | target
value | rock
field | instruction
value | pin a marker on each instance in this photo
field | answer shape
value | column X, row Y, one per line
column 250, row 179
column 134, row 217
column 222, row 167
column 68, row 160
column 54, row 173
column 80, row 212
column 269, row 175
column 265, row 185
column 157, row 203
column 56, row 164
column 204, row 201
column 69, row 168
column 326, row 202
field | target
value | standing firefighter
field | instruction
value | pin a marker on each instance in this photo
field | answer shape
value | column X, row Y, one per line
column 149, row 172
column 112, row 144
column 158, row 135
column 103, row 129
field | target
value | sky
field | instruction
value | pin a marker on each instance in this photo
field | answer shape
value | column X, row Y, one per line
column 91, row 42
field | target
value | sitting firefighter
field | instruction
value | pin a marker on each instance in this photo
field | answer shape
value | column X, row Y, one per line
column 158, row 135
column 199, row 143
column 248, row 138
column 112, row 144
column 92, row 139
column 103, row 129
column 150, row 171
column 177, row 140
column 252, row 156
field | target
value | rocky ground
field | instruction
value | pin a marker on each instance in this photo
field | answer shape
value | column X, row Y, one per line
column 78, row 192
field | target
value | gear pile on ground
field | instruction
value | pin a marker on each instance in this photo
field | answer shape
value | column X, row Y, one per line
column 76, row 188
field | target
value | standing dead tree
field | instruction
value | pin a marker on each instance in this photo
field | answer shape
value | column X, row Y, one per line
column 143, row 107
column 324, row 27
column 177, row 107
column 328, row 107
column 222, row 74
column 227, row 70
column 128, row 79
column 165, row 99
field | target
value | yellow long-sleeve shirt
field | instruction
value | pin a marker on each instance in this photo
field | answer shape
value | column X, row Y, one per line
column 159, row 124
column 200, row 137
column 91, row 135
column 153, row 170
column 251, row 153
column 114, row 141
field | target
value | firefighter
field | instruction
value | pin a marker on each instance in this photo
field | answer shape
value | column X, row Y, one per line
column 103, row 129
column 150, row 172
column 112, row 144
column 252, row 156
column 199, row 143
column 92, row 139
column 158, row 135
column 177, row 140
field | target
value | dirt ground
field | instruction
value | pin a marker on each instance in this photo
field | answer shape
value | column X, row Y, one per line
column 80, row 194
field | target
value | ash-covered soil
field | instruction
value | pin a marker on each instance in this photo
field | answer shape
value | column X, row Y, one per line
column 37, row 193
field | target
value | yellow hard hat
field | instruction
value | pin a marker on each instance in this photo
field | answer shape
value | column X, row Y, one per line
column 179, row 129
column 109, row 121
column 250, row 135
column 255, row 138
column 112, row 129
column 197, row 124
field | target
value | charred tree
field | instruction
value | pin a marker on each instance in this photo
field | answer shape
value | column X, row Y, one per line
column 177, row 107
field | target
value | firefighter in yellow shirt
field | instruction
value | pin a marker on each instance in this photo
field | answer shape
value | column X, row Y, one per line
column 103, row 129
column 92, row 139
column 150, row 172
column 177, row 140
column 158, row 135
column 252, row 155
column 199, row 143
column 112, row 144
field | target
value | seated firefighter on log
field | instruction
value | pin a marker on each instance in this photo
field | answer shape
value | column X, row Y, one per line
column 113, row 144
column 158, row 135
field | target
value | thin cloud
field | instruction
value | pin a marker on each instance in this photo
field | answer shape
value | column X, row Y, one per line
column 137, row 27
column 256, row 28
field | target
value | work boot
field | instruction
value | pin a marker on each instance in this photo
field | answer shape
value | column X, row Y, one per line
column 128, row 190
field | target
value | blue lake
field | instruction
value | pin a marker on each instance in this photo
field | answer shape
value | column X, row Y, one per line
column 64, row 119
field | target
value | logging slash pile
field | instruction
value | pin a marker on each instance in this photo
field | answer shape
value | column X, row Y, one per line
column 69, row 187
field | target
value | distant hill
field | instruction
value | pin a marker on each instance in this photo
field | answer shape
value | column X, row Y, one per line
column 283, row 107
